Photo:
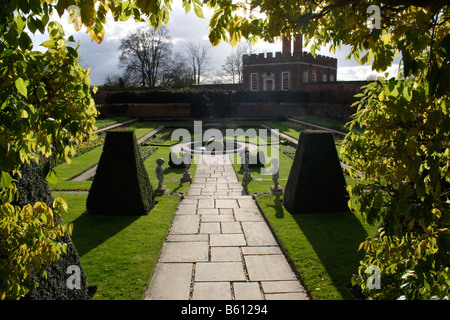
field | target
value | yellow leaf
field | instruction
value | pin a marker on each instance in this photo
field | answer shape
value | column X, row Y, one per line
column 411, row 224
column 436, row 212
column 70, row 228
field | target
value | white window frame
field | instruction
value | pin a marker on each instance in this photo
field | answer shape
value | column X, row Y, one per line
column 285, row 84
column 313, row 77
column 253, row 88
column 324, row 78
column 331, row 78
column 305, row 76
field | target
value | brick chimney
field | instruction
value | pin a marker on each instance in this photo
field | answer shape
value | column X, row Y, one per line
column 298, row 43
column 286, row 49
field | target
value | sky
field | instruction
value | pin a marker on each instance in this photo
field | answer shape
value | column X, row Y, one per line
column 103, row 59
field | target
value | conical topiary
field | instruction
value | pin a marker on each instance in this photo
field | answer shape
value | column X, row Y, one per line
column 121, row 184
column 316, row 183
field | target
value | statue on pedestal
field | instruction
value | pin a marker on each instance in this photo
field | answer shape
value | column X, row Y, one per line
column 276, row 188
column 160, row 175
column 187, row 162
column 247, row 176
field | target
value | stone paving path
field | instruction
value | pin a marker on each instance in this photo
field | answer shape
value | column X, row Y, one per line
column 219, row 246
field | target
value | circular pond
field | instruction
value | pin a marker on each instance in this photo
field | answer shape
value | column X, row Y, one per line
column 215, row 148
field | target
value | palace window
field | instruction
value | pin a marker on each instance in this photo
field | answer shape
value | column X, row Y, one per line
column 331, row 78
column 285, row 81
column 305, row 76
column 254, row 81
column 324, row 78
column 313, row 77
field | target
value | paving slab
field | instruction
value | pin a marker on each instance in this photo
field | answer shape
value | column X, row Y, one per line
column 225, row 254
column 281, row 286
column 247, row 291
column 187, row 238
column 257, row 233
column 211, row 291
column 185, row 224
column 227, row 240
column 261, row 250
column 219, row 271
column 210, row 227
column 189, row 209
column 231, row 227
column 187, row 206
column 247, row 215
column 184, row 252
column 287, row 296
column 226, row 211
column 170, row 281
column 202, row 211
column 226, row 203
column 217, row 218
column 268, row 267
column 206, row 203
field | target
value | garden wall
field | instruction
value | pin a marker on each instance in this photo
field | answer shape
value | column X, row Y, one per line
column 323, row 99
column 158, row 109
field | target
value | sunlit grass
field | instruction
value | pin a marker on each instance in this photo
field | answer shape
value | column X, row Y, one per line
column 323, row 247
column 118, row 253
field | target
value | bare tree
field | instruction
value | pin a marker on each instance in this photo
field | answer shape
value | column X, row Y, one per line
column 146, row 54
column 232, row 68
column 115, row 81
column 177, row 73
column 197, row 58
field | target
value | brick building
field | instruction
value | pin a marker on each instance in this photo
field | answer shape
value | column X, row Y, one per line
column 287, row 70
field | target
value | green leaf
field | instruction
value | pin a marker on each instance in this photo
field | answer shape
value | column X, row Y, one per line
column 420, row 187
column 186, row 6
column 51, row 177
column 20, row 23
column 21, row 86
column 5, row 180
column 406, row 94
column 198, row 12
column 25, row 42
column 48, row 44
column 73, row 52
column 40, row 93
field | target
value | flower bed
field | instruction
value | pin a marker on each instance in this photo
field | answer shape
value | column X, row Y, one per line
column 161, row 136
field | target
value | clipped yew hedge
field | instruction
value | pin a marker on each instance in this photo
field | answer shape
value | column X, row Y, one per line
column 121, row 185
column 316, row 183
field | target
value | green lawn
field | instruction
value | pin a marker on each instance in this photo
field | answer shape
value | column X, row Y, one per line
column 78, row 165
column 286, row 127
column 102, row 123
column 118, row 253
column 323, row 247
column 325, row 122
